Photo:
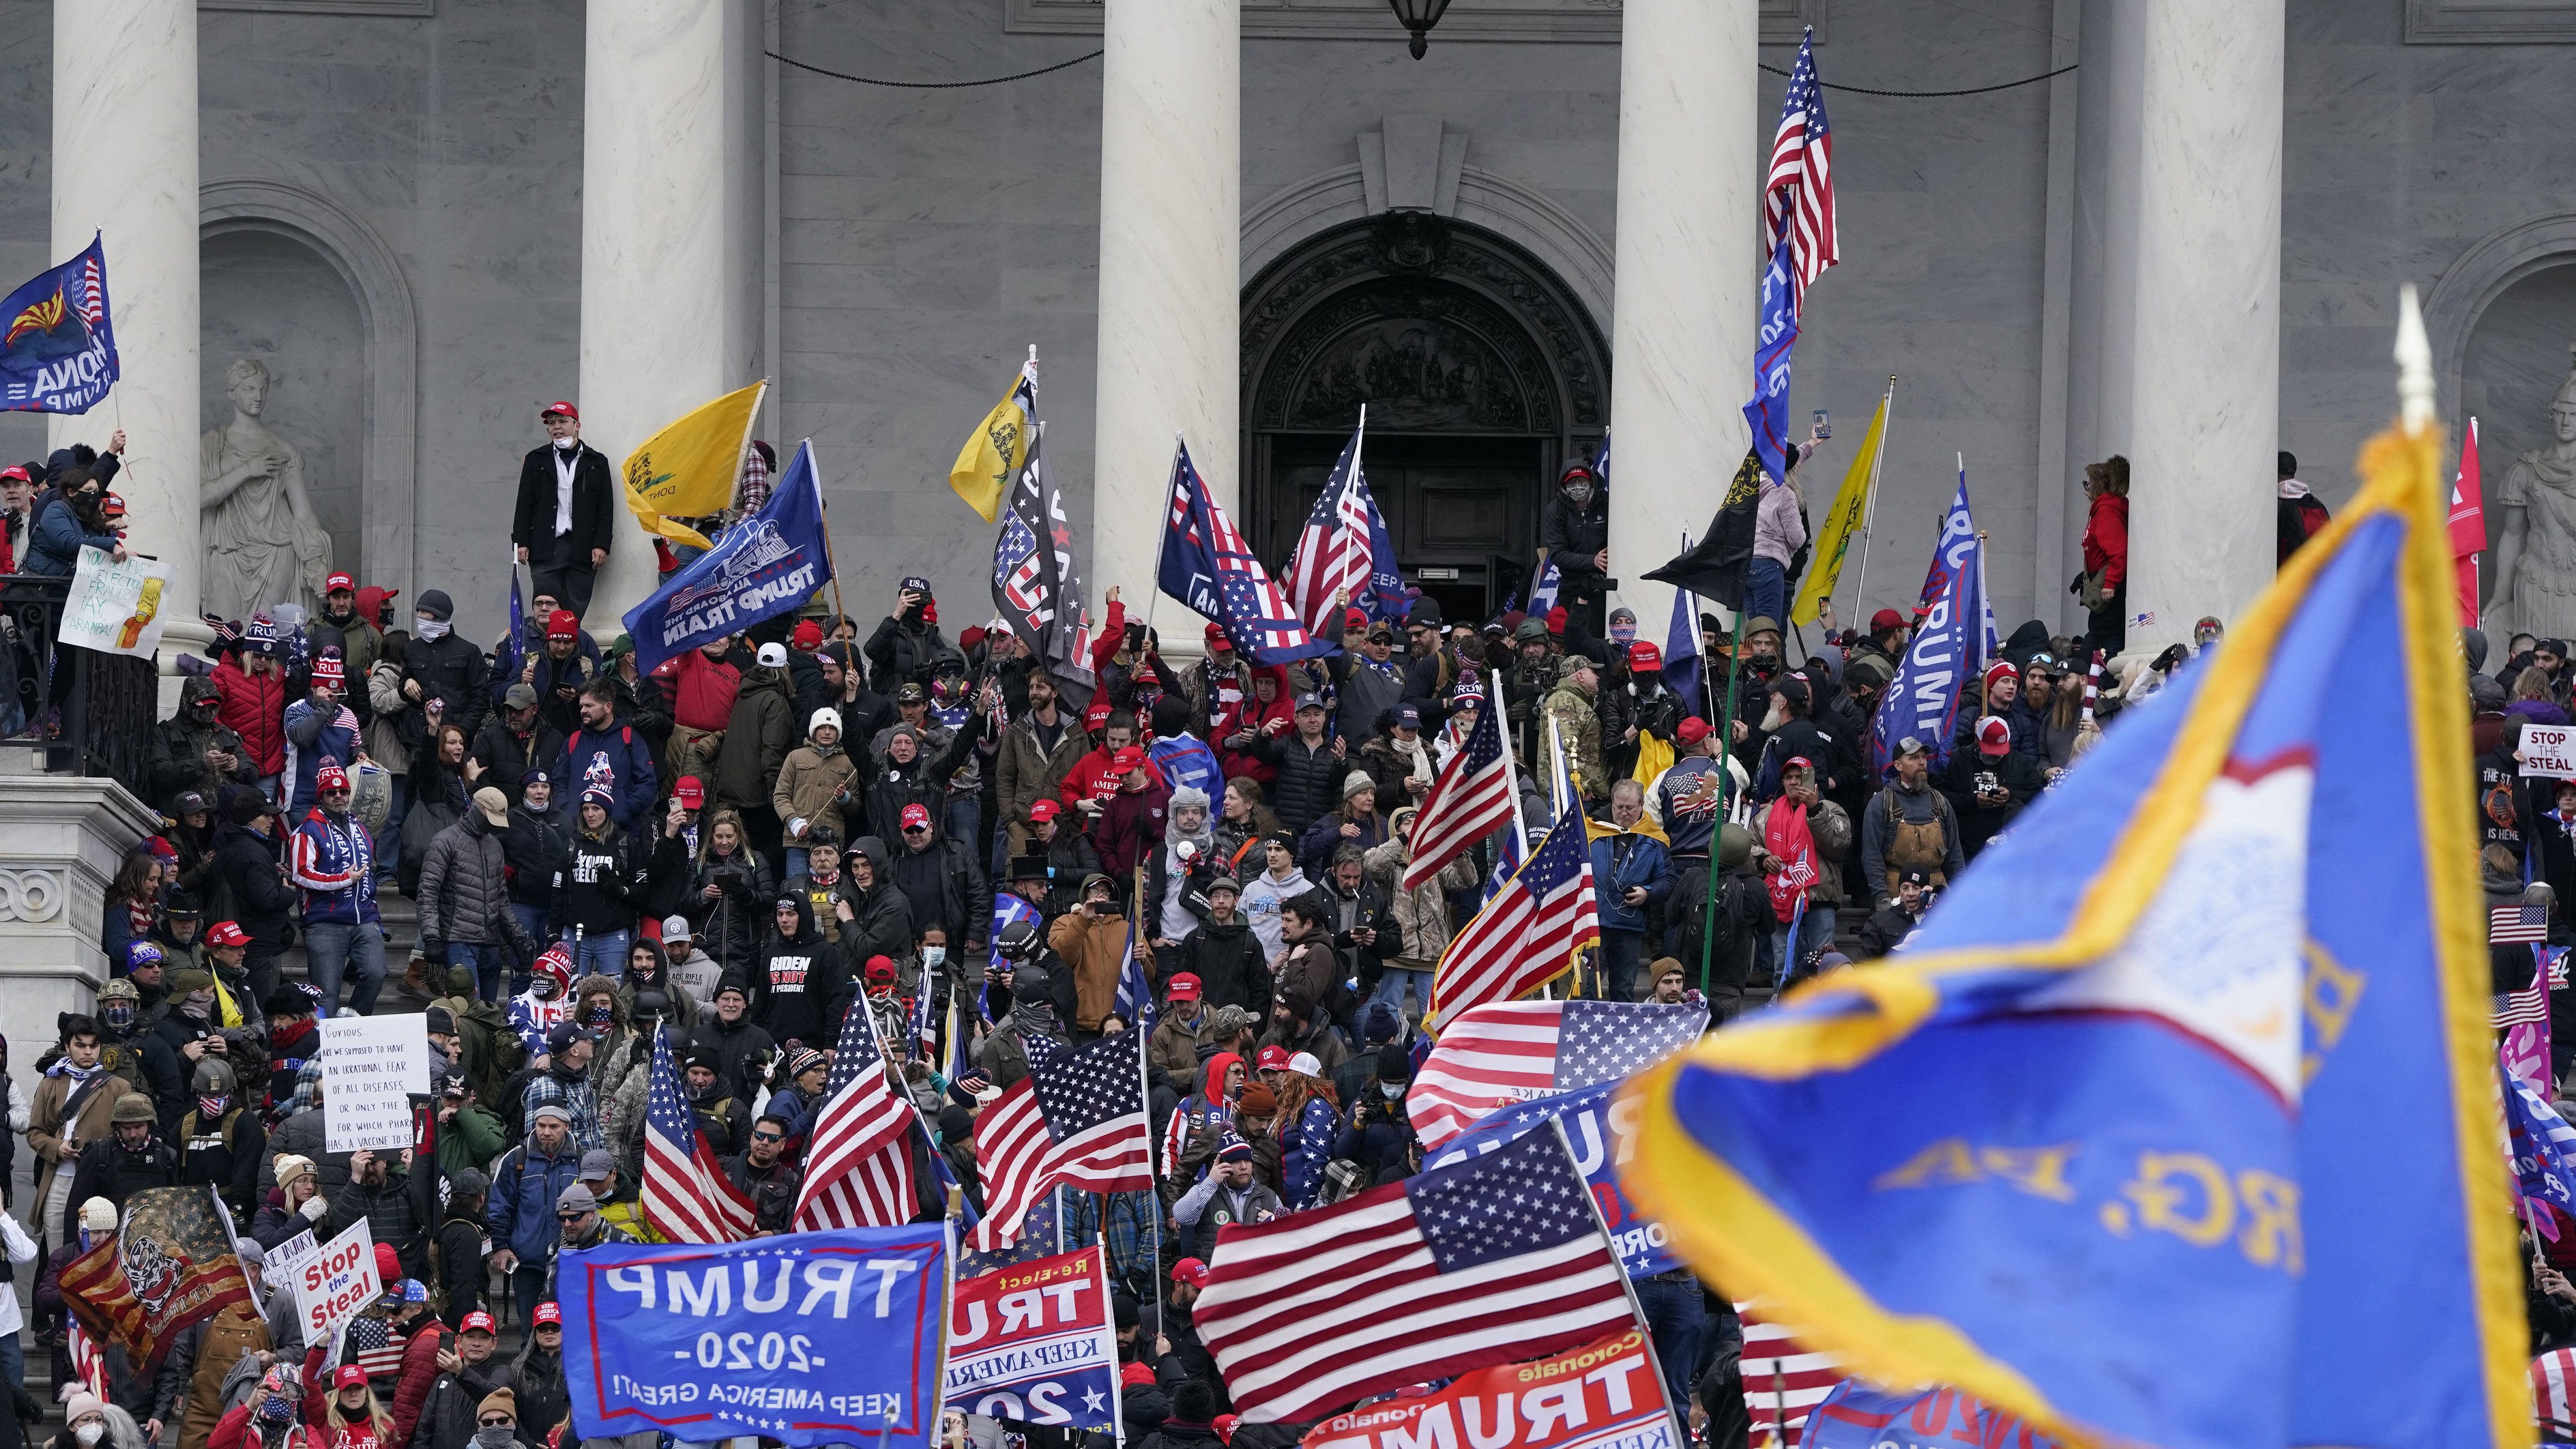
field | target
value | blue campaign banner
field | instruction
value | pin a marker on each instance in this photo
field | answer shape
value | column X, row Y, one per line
column 1602, row 1132
column 1856, row 1417
column 57, row 342
column 810, row 1339
column 1034, row 1343
column 766, row 565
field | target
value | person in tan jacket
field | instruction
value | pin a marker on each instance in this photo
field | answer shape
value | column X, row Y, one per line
column 814, row 786
column 1036, row 751
column 1091, row 940
column 70, row 1111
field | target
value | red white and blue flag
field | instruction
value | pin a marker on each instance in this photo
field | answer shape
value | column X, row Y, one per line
column 1471, row 800
column 1798, row 192
column 1207, row 565
column 1344, row 552
column 686, row 1195
column 1527, row 935
column 1508, row 1052
column 1077, row 1119
column 858, row 1168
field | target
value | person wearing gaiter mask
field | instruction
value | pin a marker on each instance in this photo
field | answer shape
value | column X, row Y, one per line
column 130, row 1051
column 293, row 1037
column 188, row 1031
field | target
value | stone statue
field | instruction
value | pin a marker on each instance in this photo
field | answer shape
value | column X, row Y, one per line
column 263, row 544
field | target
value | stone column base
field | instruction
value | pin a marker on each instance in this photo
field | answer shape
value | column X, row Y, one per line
column 61, row 839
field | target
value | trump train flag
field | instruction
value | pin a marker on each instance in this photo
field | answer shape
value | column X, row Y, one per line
column 57, row 342
column 691, row 467
column 766, row 565
column 2177, row 1125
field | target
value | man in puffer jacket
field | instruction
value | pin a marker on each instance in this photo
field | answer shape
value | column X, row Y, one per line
column 1421, row 915
column 1310, row 767
column 465, row 896
column 253, row 686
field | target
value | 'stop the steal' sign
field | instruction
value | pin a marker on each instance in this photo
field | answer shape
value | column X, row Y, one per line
column 817, row 1338
column 1604, row 1395
column 370, row 1067
column 1033, row 1342
column 2546, row 751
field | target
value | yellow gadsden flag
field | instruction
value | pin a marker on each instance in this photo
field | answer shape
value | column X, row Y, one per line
column 1842, row 522
column 999, row 445
column 691, row 468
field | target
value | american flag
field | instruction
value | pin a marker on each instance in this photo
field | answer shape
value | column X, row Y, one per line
column 685, row 1194
column 1481, row 1262
column 1496, row 1055
column 1207, row 565
column 1333, row 557
column 92, row 292
column 2542, row 1147
column 376, row 1346
column 924, row 1046
column 2553, row 1393
column 1527, row 935
column 2517, row 925
column 1799, row 192
column 1782, row 1381
column 858, row 1169
column 1077, row 1118
column 1470, row 800
column 1543, row 593
column 1135, row 1003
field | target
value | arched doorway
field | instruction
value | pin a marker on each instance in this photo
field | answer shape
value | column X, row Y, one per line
column 1481, row 372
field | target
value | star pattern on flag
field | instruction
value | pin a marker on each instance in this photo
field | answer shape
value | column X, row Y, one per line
column 1084, row 1089
column 1517, row 1199
column 1600, row 1041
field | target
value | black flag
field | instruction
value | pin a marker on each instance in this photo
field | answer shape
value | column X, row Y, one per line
column 1716, row 566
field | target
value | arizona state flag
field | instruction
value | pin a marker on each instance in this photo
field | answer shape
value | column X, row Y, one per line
column 170, row 1265
column 2177, row 1123
column 1000, row 445
column 691, row 467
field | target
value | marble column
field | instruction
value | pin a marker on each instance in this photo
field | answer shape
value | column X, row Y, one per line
column 1681, row 345
column 2196, row 405
column 670, row 236
column 125, row 168
column 1171, row 188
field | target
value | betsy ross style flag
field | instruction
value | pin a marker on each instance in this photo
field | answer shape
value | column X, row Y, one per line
column 1471, row 800
column 1207, row 565
column 858, row 1168
column 1078, row 1119
column 58, row 349
column 685, row 1193
column 1481, row 1262
column 1526, row 935
column 1798, row 194
column 1519, row 1051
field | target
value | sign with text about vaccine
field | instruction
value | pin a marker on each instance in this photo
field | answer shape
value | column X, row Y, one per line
column 371, row 1065
column 1033, row 1342
column 814, row 1338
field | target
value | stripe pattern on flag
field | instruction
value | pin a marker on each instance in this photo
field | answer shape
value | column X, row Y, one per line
column 685, row 1194
column 2517, row 925
column 1507, row 1052
column 1798, row 191
column 858, row 1168
column 1481, row 1262
column 1333, row 561
column 1527, row 934
column 1783, row 1382
column 1078, row 1118
column 1470, row 800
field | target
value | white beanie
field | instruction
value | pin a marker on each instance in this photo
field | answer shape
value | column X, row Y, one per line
column 824, row 716
column 98, row 1215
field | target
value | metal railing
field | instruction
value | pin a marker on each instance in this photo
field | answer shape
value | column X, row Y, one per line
column 87, row 713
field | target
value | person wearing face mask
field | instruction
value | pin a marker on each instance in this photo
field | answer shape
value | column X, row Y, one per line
column 722, row 1112
column 440, row 664
column 564, row 520
column 547, row 1003
column 69, row 1112
column 268, row 1417
column 92, row 1423
column 129, row 1159
column 1376, row 1130
column 1574, row 533
column 219, row 1143
column 200, row 1360
column 194, row 749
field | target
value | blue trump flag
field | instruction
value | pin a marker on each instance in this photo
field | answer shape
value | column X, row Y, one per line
column 815, row 1338
column 58, row 349
column 1543, row 592
column 1950, row 647
column 1681, row 642
column 1768, row 412
column 2176, row 1125
column 768, row 564
column 1206, row 564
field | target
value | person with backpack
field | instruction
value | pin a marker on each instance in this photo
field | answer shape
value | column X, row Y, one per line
column 526, row 1183
column 221, row 1145
column 1909, row 825
column 457, row 1249
column 610, row 754
column 2303, row 515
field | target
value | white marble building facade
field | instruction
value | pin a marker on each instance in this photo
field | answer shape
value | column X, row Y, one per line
column 428, row 216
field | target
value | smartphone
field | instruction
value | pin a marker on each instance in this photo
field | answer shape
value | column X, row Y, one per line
column 1824, row 423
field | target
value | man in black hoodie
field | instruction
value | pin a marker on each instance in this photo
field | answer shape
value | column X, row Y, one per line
column 250, row 887
column 875, row 915
column 515, row 740
column 193, row 750
column 802, row 983
column 440, row 663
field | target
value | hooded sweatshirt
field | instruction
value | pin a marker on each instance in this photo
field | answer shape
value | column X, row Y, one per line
column 801, row 984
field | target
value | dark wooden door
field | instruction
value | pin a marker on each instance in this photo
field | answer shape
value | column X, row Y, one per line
column 1463, row 511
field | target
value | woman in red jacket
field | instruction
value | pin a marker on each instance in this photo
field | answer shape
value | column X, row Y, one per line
column 267, row 1419
column 2104, row 584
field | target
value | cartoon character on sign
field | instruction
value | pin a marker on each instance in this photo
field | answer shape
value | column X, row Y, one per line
column 153, row 1274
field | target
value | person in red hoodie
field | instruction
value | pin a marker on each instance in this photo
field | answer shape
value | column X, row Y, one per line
column 702, row 683
column 1094, row 776
column 2103, row 587
column 1269, row 712
column 1129, row 822
column 252, row 684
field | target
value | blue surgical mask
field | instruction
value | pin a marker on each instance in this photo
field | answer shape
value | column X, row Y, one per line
column 932, row 957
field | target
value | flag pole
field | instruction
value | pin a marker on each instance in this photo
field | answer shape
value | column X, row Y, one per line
column 823, row 516
column 1520, row 827
column 1636, row 1311
column 1725, row 787
column 1869, row 514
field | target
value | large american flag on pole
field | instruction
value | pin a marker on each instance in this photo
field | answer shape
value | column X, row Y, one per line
column 1077, row 1119
column 1798, row 193
column 685, row 1193
column 1481, row 1262
column 858, row 1168
column 1207, row 565
column 1527, row 934
column 1333, row 561
column 1470, row 800
column 1507, row 1052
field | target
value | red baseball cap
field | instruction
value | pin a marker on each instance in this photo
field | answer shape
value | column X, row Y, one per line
column 1216, row 635
column 1556, row 620
column 1127, row 759
column 478, row 1321
column 1096, row 717
column 350, row 1376
column 1353, row 619
column 1886, row 619
column 1191, row 1271
column 388, row 1264
column 1691, row 730
column 17, row 472
column 880, row 968
column 563, row 624
column 1185, row 987
column 807, row 638
column 690, row 791
column 568, row 410
column 1273, row 1058
column 916, row 817
column 1136, row 1375
column 1994, row 736
column 337, row 582
column 545, row 1313
column 227, row 933
column 1042, row 811
column 112, row 506
column 1643, row 656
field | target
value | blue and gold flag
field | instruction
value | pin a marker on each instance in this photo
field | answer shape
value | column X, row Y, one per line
column 2177, row 1124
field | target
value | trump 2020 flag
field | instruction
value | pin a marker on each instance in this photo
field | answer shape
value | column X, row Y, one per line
column 768, row 564
column 2177, row 1124
column 58, row 354
column 1767, row 414
column 1207, row 565
column 1950, row 648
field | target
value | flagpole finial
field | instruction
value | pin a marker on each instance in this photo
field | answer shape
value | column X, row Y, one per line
column 2414, row 364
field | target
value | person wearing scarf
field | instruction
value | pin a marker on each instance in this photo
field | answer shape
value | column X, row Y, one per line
column 1803, row 837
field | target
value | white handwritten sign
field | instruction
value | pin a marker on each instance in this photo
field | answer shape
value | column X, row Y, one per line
column 114, row 608
column 2546, row 751
column 370, row 1067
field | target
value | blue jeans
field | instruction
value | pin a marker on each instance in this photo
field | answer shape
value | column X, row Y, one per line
column 1391, row 982
column 389, row 839
column 490, row 964
column 1766, row 592
column 1814, row 932
column 964, row 820
column 535, row 920
column 1617, row 960
column 336, row 950
column 604, row 954
column 1677, row 1317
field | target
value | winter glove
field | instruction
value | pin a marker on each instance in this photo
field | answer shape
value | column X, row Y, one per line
column 314, row 1208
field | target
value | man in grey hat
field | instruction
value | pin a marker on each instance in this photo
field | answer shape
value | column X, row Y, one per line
column 577, row 1217
column 529, row 1179
column 517, row 739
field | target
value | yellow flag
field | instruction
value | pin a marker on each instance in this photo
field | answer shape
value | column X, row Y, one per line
column 999, row 445
column 691, row 468
column 1842, row 524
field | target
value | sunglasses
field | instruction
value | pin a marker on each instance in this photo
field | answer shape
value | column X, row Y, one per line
column 767, row 1137
column 570, row 1217
column 493, row 1424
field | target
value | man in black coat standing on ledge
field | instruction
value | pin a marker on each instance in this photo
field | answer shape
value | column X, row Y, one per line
column 567, row 498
